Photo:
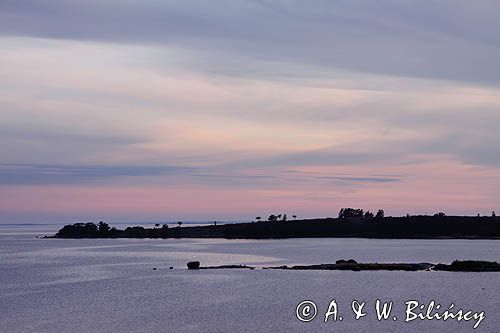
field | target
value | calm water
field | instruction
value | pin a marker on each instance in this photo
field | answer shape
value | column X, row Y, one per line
column 49, row 285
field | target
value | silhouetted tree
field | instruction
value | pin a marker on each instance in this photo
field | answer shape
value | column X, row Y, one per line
column 350, row 212
column 103, row 227
column 440, row 214
column 284, row 217
column 493, row 214
column 79, row 230
column 294, row 216
column 380, row 214
column 258, row 218
column 157, row 225
column 136, row 232
column 272, row 218
column 179, row 223
column 368, row 215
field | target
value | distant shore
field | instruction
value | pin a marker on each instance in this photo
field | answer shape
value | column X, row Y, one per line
column 411, row 227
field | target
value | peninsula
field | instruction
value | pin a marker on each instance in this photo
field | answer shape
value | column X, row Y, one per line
column 346, row 225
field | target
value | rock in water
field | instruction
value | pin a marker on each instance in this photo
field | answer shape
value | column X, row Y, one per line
column 193, row 265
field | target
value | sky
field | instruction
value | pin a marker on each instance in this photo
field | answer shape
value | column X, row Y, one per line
column 226, row 110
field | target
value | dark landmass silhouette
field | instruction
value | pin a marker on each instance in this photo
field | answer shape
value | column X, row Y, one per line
column 456, row 266
column 196, row 265
column 469, row 266
column 410, row 267
column 353, row 265
column 438, row 226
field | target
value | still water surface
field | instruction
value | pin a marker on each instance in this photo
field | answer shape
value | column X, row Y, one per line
column 109, row 285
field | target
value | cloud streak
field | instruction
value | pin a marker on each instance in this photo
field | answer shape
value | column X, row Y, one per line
column 447, row 40
column 23, row 174
column 234, row 107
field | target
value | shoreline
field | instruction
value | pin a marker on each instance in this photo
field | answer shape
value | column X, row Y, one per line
column 352, row 265
column 414, row 227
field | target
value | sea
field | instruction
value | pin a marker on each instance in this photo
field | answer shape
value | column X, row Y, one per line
column 143, row 285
